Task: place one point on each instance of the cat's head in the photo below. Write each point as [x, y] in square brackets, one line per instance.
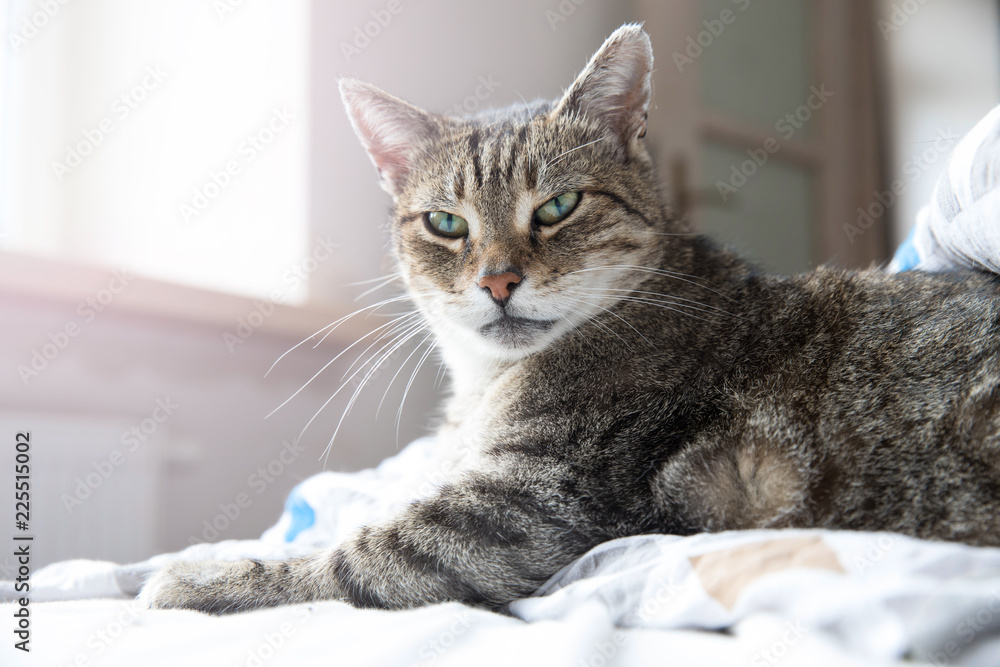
[515, 226]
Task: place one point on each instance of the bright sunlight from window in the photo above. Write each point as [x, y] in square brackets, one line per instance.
[134, 134]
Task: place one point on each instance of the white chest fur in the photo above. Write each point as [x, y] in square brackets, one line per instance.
[478, 385]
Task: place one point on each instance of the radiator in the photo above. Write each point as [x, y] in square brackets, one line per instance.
[94, 485]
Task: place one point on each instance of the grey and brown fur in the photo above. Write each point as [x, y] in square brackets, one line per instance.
[639, 378]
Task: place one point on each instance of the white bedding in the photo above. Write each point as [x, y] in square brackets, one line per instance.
[808, 597]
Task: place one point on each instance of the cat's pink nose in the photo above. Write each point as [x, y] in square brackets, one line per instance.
[500, 285]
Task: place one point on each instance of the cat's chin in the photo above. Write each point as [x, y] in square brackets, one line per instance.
[511, 338]
[516, 333]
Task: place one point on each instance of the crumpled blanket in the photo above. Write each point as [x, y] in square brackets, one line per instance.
[960, 227]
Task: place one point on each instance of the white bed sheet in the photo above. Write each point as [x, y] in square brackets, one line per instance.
[109, 632]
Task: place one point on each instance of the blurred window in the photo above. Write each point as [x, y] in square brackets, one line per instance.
[166, 138]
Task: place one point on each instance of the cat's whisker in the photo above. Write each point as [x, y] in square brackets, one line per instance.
[388, 281]
[635, 267]
[361, 385]
[302, 342]
[666, 302]
[673, 307]
[679, 300]
[404, 322]
[592, 320]
[441, 372]
[369, 281]
[577, 297]
[356, 392]
[327, 364]
[409, 383]
[330, 328]
[492, 362]
[387, 330]
[378, 410]
[672, 297]
[408, 312]
[528, 128]
[565, 153]
[666, 305]
[400, 335]
[518, 93]
[589, 343]
[374, 309]
[683, 277]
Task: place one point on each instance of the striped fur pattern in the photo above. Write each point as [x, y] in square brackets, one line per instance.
[639, 378]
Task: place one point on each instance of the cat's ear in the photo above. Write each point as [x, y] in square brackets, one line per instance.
[615, 87]
[391, 130]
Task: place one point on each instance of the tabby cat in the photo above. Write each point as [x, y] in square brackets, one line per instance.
[614, 374]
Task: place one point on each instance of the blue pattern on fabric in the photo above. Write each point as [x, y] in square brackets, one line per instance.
[906, 256]
[302, 514]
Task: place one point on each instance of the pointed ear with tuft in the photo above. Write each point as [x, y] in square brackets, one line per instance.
[615, 87]
[391, 130]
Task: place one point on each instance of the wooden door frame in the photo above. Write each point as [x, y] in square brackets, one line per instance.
[845, 154]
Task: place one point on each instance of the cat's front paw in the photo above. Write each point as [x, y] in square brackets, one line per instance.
[214, 587]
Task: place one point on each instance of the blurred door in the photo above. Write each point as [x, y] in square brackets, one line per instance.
[765, 118]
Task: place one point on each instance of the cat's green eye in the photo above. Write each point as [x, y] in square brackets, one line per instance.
[556, 209]
[447, 224]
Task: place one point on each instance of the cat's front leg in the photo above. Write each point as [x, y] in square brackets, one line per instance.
[220, 587]
[487, 540]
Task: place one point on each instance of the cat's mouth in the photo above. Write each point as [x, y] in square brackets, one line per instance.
[511, 331]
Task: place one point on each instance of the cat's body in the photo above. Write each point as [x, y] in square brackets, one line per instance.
[615, 375]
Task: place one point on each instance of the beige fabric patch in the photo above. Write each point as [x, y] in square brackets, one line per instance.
[724, 574]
